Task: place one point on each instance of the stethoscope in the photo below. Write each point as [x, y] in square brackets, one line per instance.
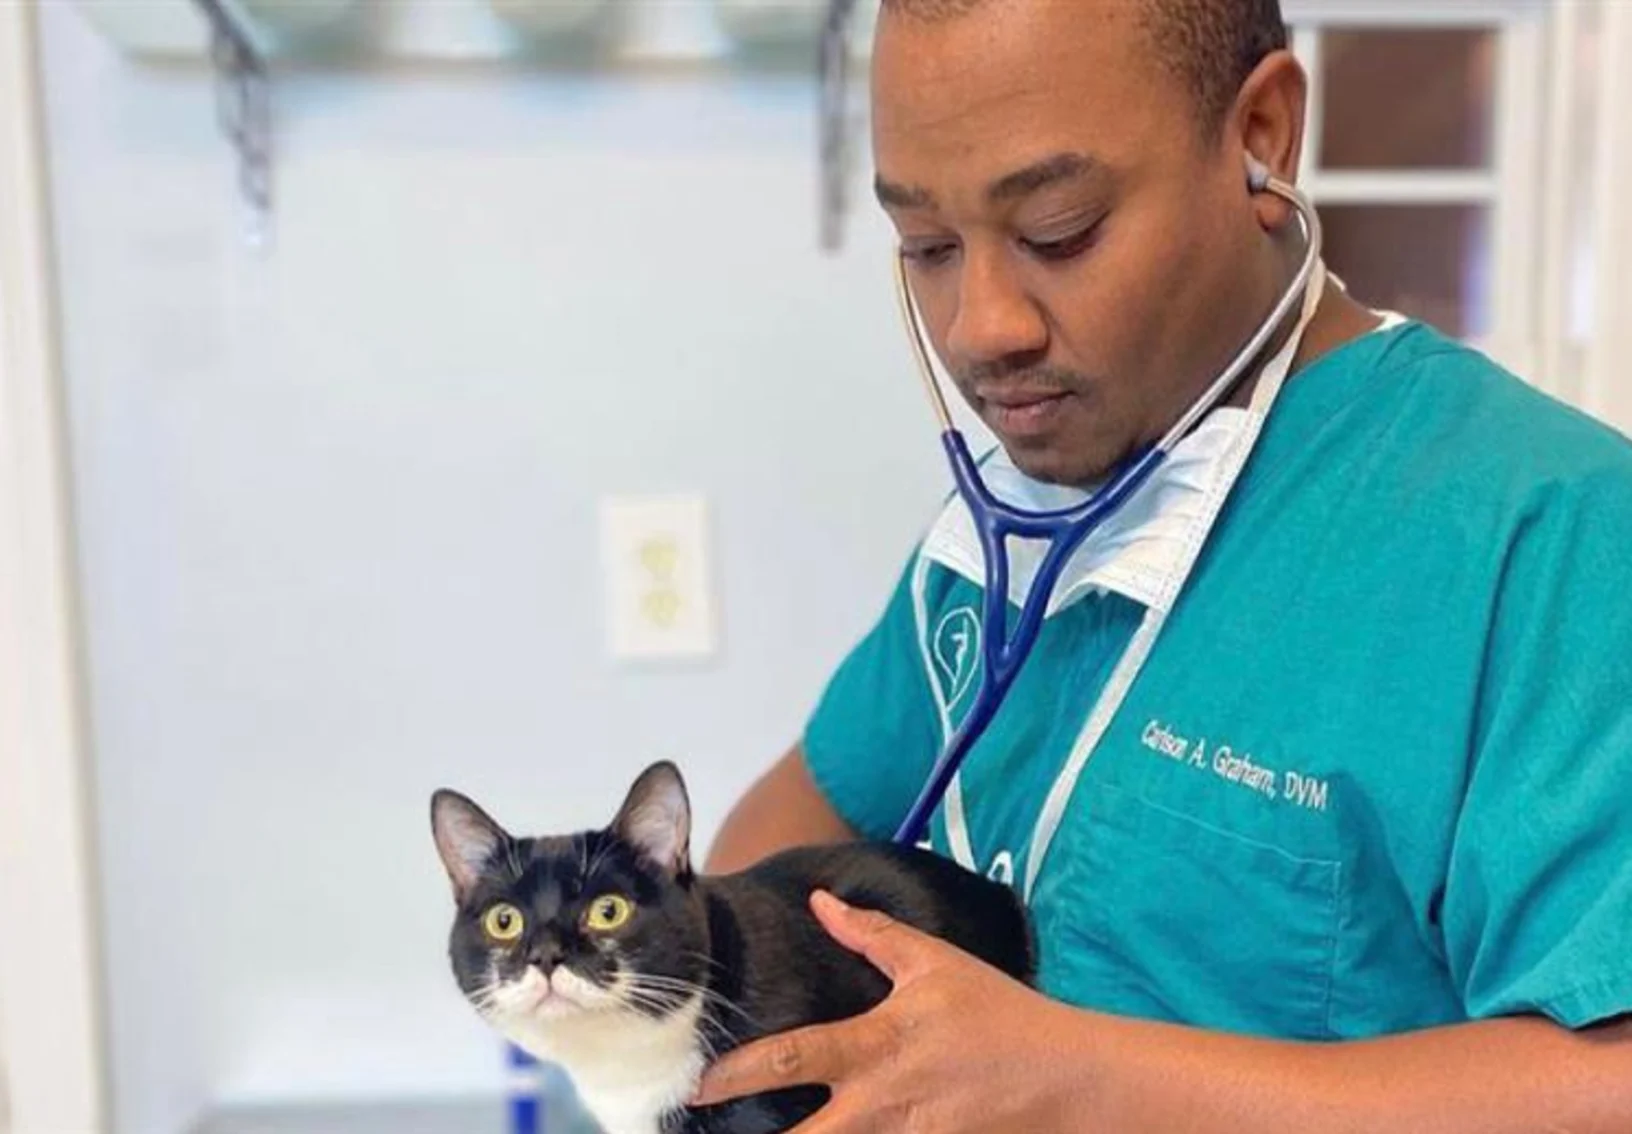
[1004, 653]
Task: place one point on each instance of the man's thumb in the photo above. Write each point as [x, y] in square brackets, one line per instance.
[895, 949]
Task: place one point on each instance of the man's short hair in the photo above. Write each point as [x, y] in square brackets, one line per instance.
[1211, 45]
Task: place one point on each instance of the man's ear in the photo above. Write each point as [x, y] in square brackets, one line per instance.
[1267, 123]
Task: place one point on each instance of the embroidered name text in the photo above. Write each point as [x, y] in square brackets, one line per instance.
[1237, 767]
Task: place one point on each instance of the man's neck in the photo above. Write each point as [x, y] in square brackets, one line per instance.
[1338, 319]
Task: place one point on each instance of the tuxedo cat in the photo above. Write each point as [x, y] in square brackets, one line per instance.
[604, 953]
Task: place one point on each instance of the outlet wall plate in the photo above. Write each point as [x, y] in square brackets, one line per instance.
[658, 572]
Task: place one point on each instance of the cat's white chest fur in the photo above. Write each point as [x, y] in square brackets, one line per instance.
[629, 1070]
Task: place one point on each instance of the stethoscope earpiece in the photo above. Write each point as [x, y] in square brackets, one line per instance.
[1258, 174]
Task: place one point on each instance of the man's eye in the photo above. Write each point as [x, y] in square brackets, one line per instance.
[928, 254]
[1065, 247]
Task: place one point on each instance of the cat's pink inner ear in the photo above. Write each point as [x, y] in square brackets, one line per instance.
[656, 833]
[466, 839]
[656, 820]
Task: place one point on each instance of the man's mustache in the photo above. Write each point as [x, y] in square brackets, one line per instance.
[1040, 380]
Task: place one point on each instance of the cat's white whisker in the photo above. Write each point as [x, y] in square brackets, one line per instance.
[600, 857]
[704, 958]
[655, 982]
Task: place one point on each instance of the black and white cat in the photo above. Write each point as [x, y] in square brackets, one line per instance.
[604, 953]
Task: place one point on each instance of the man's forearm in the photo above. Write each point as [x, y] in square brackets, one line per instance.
[1498, 1077]
[784, 808]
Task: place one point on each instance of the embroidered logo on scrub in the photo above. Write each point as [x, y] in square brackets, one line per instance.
[956, 650]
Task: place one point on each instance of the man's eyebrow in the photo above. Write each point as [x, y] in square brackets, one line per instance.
[1037, 175]
[892, 195]
[1009, 187]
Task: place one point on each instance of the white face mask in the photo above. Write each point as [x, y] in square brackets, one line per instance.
[1145, 549]
[1139, 546]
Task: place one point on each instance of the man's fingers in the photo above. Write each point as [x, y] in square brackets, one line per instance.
[842, 1116]
[896, 950]
[819, 1055]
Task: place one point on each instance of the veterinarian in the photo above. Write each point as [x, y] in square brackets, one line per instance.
[1354, 850]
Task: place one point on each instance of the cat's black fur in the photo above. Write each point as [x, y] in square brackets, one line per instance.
[749, 938]
[777, 962]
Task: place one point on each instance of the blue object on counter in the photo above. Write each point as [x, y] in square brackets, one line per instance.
[525, 1092]
[540, 1098]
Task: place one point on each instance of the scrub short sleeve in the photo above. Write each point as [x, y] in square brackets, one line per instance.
[876, 731]
[1537, 908]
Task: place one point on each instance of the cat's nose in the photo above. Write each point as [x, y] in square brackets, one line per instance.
[546, 955]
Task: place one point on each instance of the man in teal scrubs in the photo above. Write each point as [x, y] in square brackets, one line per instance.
[1351, 847]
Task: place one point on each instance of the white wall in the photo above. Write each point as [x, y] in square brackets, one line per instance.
[337, 514]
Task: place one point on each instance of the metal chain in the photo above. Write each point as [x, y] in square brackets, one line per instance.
[243, 99]
[835, 125]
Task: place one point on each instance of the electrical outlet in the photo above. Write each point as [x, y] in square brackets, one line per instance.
[654, 553]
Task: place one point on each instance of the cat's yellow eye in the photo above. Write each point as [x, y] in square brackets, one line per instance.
[503, 923]
[607, 913]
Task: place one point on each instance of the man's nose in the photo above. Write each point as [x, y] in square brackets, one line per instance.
[995, 319]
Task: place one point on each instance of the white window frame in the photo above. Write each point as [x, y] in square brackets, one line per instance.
[1510, 188]
[1598, 378]
[50, 1009]
[1545, 163]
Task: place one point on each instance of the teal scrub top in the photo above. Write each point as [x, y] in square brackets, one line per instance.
[1376, 774]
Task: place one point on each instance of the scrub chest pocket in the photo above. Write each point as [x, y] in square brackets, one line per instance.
[1138, 898]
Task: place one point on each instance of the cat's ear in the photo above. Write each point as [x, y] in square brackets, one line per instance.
[466, 838]
[656, 819]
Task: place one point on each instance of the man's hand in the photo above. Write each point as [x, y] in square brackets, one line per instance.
[957, 1046]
